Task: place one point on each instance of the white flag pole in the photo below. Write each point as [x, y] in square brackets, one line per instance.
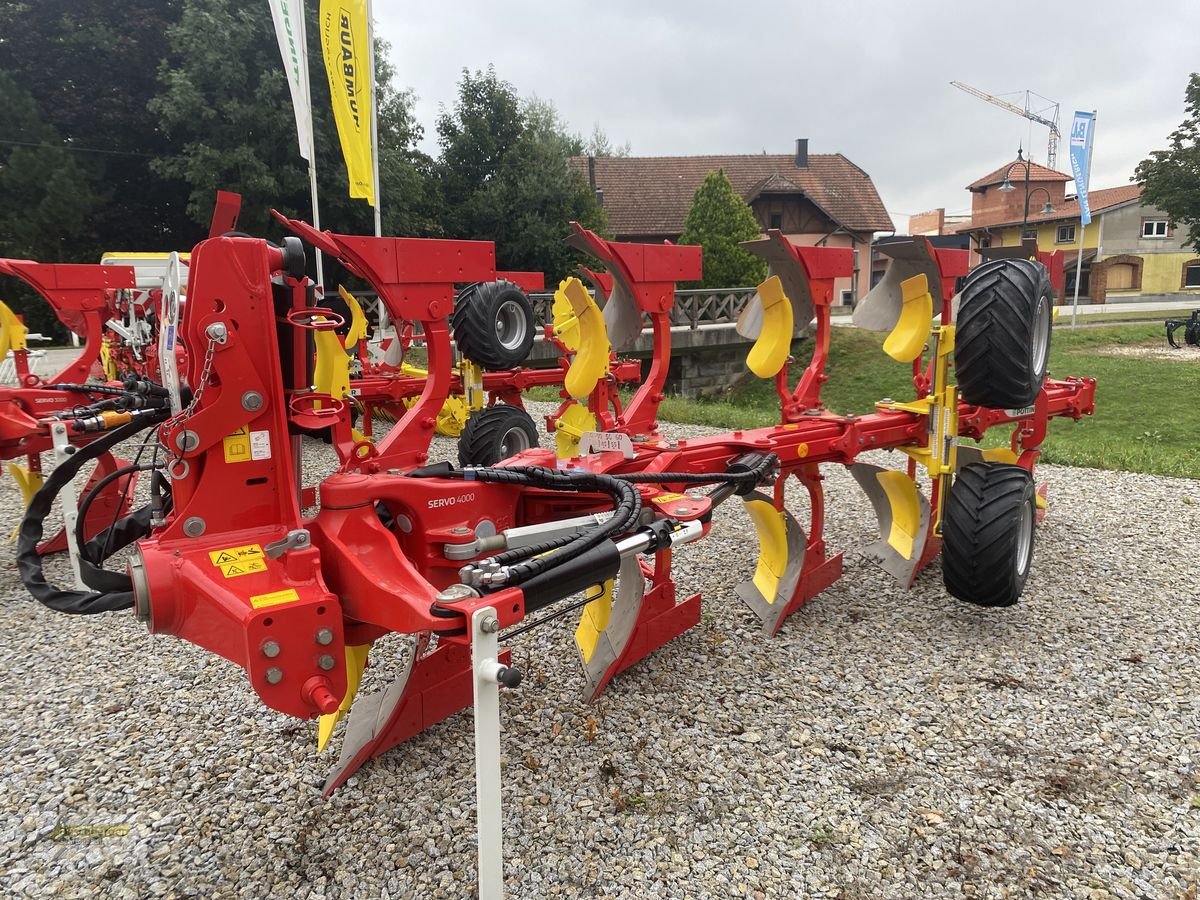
[312, 150]
[383, 313]
[1082, 227]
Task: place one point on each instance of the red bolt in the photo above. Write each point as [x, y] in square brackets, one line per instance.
[318, 691]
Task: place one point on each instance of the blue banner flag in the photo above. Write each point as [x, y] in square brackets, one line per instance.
[1081, 154]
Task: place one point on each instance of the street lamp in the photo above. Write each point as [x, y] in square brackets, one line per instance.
[1006, 187]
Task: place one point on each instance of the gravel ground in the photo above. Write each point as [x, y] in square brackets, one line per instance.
[885, 744]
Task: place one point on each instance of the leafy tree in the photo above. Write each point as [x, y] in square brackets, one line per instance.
[599, 145]
[225, 101]
[503, 175]
[529, 205]
[718, 220]
[1170, 179]
[48, 200]
[90, 69]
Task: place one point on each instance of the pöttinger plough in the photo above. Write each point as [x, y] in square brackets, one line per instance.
[452, 557]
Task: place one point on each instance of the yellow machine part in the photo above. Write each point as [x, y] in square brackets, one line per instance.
[771, 526]
[358, 320]
[904, 501]
[356, 662]
[590, 363]
[107, 364]
[452, 417]
[908, 338]
[570, 427]
[331, 374]
[774, 342]
[594, 620]
[12, 332]
[28, 483]
[566, 326]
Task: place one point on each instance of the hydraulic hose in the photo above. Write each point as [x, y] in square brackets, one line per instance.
[29, 561]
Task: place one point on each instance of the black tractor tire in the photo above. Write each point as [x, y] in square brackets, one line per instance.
[495, 433]
[1002, 340]
[987, 534]
[493, 324]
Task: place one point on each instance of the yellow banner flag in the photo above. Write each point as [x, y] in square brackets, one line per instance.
[345, 45]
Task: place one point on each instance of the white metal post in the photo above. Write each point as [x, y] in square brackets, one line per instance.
[383, 312]
[489, 821]
[68, 497]
[312, 148]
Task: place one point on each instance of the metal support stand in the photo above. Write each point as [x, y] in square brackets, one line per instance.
[68, 497]
[488, 671]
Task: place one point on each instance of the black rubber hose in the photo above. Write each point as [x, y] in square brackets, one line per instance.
[86, 503]
[29, 561]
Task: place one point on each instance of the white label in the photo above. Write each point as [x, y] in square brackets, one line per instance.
[601, 441]
[1018, 413]
[260, 445]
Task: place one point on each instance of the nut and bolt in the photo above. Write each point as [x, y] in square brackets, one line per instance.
[324, 636]
[194, 526]
[460, 529]
[187, 440]
[270, 649]
[490, 625]
[681, 510]
[217, 332]
[274, 675]
[326, 662]
[252, 401]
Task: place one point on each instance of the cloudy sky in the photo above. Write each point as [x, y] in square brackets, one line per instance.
[866, 79]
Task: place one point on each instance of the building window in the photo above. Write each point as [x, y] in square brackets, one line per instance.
[1191, 274]
[848, 298]
[985, 241]
[1066, 234]
[776, 220]
[1029, 233]
[1155, 228]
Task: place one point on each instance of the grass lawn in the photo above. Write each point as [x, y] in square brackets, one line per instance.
[1146, 420]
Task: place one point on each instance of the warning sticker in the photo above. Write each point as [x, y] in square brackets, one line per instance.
[235, 554]
[258, 601]
[244, 567]
[237, 446]
[260, 445]
[665, 498]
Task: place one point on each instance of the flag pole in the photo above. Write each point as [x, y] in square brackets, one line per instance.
[1082, 227]
[312, 150]
[383, 313]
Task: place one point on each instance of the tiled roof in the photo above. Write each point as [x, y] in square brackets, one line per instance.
[648, 195]
[1015, 171]
[1098, 201]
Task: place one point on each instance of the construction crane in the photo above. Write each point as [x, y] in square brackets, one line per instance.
[1051, 123]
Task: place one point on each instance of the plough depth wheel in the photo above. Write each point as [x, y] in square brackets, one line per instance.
[1002, 347]
[493, 324]
[987, 534]
[495, 433]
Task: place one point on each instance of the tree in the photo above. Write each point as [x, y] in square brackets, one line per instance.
[529, 205]
[1170, 179]
[599, 144]
[89, 69]
[718, 220]
[503, 175]
[224, 100]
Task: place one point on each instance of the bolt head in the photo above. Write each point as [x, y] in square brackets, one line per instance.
[324, 636]
[326, 662]
[194, 526]
[490, 625]
[274, 675]
[270, 649]
[252, 401]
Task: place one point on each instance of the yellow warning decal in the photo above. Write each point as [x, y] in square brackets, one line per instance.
[666, 498]
[258, 601]
[235, 554]
[244, 567]
[237, 446]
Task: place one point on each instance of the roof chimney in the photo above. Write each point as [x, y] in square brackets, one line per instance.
[801, 153]
[592, 172]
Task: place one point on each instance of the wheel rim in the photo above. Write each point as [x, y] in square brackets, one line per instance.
[514, 441]
[1041, 336]
[1025, 538]
[510, 325]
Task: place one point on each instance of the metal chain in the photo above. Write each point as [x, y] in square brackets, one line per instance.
[186, 413]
